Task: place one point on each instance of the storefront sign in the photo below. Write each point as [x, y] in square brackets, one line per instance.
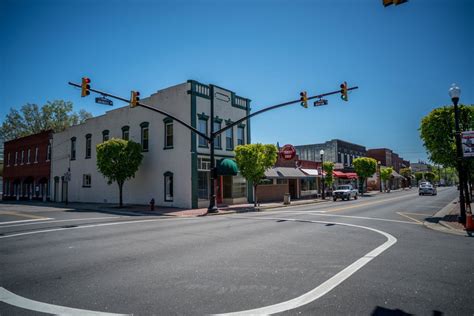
[288, 152]
[467, 139]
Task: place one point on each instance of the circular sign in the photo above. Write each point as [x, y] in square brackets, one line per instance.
[288, 152]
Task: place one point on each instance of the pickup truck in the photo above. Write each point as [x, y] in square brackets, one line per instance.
[344, 192]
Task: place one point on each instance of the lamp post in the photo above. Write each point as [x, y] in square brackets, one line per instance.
[454, 93]
[321, 152]
[380, 175]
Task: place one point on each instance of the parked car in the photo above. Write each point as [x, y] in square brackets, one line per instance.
[344, 192]
[427, 189]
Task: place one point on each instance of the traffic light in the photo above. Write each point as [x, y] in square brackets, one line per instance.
[304, 99]
[134, 99]
[344, 91]
[85, 87]
[395, 2]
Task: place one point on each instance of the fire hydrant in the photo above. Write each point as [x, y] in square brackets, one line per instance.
[152, 205]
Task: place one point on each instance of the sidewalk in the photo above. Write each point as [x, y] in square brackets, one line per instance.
[144, 210]
[446, 220]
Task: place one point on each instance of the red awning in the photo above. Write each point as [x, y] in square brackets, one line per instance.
[344, 175]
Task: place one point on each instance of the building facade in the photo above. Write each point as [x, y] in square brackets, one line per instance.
[175, 170]
[340, 152]
[27, 167]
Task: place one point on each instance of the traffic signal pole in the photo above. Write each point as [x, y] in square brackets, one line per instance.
[212, 196]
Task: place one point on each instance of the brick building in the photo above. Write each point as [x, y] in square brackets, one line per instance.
[27, 167]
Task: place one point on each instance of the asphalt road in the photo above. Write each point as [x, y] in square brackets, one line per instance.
[372, 256]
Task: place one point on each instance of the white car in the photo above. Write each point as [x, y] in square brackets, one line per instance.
[344, 192]
[427, 189]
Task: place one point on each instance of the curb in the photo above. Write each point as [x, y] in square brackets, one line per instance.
[441, 225]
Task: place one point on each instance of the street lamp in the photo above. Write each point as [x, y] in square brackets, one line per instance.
[454, 93]
[321, 152]
[380, 175]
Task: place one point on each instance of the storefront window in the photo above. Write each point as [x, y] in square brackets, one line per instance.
[239, 186]
[203, 185]
[308, 184]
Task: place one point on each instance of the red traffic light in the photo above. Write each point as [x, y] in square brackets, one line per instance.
[86, 80]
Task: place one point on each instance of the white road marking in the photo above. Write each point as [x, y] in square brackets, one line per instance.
[328, 285]
[24, 221]
[62, 220]
[93, 225]
[16, 300]
[363, 217]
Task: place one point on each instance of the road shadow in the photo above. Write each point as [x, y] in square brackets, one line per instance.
[382, 311]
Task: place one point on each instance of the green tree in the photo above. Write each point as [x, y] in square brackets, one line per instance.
[364, 167]
[253, 160]
[32, 119]
[430, 176]
[419, 175]
[437, 132]
[118, 160]
[406, 172]
[328, 167]
[386, 175]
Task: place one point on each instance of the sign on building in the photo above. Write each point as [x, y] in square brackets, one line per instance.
[467, 140]
[288, 152]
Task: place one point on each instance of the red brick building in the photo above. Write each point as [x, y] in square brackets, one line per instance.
[27, 167]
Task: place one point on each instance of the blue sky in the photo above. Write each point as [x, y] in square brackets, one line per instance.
[403, 58]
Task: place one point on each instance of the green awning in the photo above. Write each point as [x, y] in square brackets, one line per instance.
[227, 167]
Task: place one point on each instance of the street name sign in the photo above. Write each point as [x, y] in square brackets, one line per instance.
[104, 100]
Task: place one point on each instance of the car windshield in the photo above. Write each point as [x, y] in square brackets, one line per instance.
[344, 187]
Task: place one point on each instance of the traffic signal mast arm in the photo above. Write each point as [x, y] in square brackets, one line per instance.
[214, 134]
[319, 96]
[146, 106]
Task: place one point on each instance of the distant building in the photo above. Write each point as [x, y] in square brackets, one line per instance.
[420, 167]
[27, 167]
[387, 158]
[340, 152]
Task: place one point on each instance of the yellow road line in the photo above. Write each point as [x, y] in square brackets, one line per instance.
[409, 217]
[417, 214]
[365, 204]
[21, 214]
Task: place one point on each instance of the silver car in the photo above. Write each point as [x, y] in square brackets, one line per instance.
[427, 188]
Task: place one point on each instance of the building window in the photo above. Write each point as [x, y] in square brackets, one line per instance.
[125, 133]
[240, 135]
[86, 180]
[168, 186]
[8, 160]
[36, 154]
[203, 185]
[202, 127]
[105, 135]
[28, 156]
[218, 139]
[22, 161]
[144, 135]
[88, 145]
[16, 158]
[168, 133]
[73, 148]
[229, 139]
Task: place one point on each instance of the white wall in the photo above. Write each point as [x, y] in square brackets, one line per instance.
[149, 180]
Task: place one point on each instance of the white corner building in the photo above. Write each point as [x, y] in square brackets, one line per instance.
[175, 167]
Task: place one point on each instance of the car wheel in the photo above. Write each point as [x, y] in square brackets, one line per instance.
[355, 197]
[334, 199]
[419, 194]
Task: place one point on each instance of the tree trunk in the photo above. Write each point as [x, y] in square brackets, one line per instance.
[255, 195]
[120, 184]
